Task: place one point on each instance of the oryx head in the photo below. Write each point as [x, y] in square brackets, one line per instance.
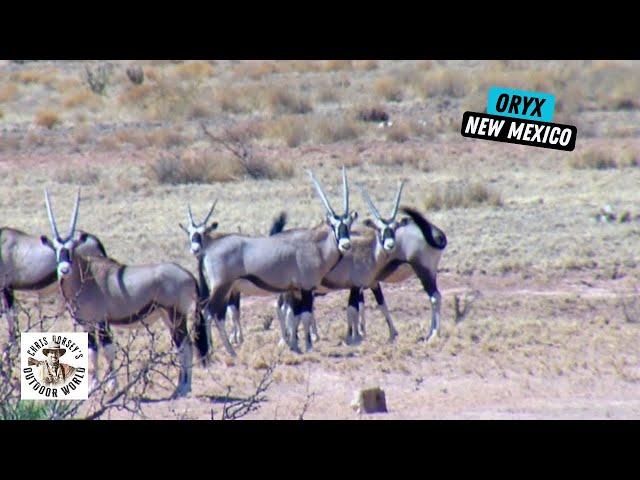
[385, 228]
[340, 224]
[196, 231]
[63, 246]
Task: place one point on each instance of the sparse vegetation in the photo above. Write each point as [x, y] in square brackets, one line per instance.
[97, 77]
[77, 175]
[47, 119]
[389, 89]
[462, 194]
[593, 159]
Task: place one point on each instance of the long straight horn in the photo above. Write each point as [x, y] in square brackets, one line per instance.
[210, 212]
[321, 193]
[193, 223]
[345, 189]
[372, 207]
[394, 212]
[74, 216]
[52, 219]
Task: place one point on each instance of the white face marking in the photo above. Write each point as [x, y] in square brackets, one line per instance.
[389, 244]
[64, 269]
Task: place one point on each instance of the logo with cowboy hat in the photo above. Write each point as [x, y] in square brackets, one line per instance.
[46, 375]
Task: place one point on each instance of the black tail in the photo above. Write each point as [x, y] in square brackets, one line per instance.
[278, 224]
[202, 337]
[432, 234]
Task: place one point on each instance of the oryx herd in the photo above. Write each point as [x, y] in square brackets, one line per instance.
[296, 264]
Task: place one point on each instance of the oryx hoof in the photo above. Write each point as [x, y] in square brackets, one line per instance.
[282, 343]
[432, 337]
[393, 336]
[181, 392]
[315, 337]
[295, 348]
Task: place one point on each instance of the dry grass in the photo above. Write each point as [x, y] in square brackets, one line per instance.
[337, 65]
[281, 99]
[82, 99]
[593, 158]
[81, 135]
[47, 118]
[331, 130]
[443, 82]
[8, 92]
[135, 137]
[371, 113]
[77, 175]
[194, 70]
[166, 138]
[212, 166]
[292, 129]
[462, 194]
[327, 94]
[389, 89]
[399, 132]
[366, 65]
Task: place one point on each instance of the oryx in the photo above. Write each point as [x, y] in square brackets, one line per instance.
[26, 264]
[201, 237]
[397, 251]
[99, 289]
[359, 268]
[295, 260]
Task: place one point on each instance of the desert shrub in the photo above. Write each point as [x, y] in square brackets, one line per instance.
[292, 129]
[337, 65]
[8, 92]
[135, 73]
[399, 132]
[194, 70]
[372, 114]
[97, 78]
[462, 194]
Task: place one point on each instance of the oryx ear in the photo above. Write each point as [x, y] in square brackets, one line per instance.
[354, 216]
[211, 227]
[405, 221]
[46, 242]
[182, 227]
[369, 223]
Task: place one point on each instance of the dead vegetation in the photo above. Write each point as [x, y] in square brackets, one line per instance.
[462, 194]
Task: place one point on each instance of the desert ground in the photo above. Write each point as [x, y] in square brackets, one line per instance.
[539, 280]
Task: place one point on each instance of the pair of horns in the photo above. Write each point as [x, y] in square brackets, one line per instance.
[323, 196]
[52, 219]
[193, 223]
[374, 210]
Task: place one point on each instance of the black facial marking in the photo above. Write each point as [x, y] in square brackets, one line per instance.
[65, 256]
[196, 238]
[343, 231]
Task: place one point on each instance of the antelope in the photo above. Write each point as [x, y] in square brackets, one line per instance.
[27, 265]
[99, 289]
[396, 251]
[358, 270]
[201, 237]
[295, 260]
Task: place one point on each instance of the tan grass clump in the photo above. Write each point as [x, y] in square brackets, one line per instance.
[8, 92]
[292, 129]
[77, 175]
[194, 70]
[593, 158]
[389, 89]
[47, 118]
[337, 65]
[282, 99]
[331, 130]
[462, 194]
[399, 132]
[82, 98]
[443, 82]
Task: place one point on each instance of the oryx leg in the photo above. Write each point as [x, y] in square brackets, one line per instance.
[382, 305]
[283, 310]
[295, 311]
[177, 322]
[234, 308]
[428, 281]
[307, 317]
[362, 324]
[216, 308]
[93, 358]
[105, 336]
[9, 311]
[353, 331]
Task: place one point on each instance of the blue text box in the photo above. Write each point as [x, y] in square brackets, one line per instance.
[509, 102]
